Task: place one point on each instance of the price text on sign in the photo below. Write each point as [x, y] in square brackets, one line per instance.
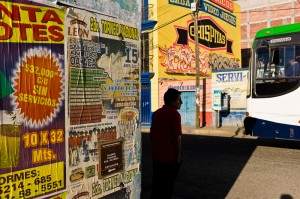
[39, 86]
[33, 182]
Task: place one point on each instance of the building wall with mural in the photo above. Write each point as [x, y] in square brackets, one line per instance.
[219, 43]
[188, 95]
[69, 99]
[219, 39]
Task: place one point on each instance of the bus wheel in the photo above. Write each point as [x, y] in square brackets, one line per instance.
[248, 124]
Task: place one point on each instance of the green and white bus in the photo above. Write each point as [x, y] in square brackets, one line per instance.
[273, 101]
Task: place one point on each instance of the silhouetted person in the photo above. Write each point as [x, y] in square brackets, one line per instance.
[165, 133]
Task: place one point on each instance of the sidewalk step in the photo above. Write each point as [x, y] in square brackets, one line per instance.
[222, 131]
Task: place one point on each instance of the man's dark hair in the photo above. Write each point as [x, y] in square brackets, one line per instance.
[171, 95]
[290, 58]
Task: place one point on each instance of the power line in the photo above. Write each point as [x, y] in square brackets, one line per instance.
[149, 9]
[160, 8]
[169, 22]
[248, 11]
[166, 6]
[166, 12]
[176, 19]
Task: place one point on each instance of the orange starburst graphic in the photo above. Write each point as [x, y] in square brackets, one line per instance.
[38, 86]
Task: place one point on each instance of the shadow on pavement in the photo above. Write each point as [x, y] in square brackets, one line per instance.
[210, 164]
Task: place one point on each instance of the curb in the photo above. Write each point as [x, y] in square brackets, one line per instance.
[211, 131]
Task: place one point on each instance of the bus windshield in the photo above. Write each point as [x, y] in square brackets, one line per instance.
[277, 70]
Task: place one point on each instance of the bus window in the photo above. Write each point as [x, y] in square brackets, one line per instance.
[262, 55]
[248, 91]
[279, 75]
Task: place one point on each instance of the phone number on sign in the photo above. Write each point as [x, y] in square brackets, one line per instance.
[42, 184]
[31, 183]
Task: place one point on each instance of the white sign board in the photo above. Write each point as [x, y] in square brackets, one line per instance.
[217, 99]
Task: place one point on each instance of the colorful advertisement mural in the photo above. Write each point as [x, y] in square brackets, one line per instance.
[32, 96]
[218, 38]
[234, 83]
[103, 86]
[69, 101]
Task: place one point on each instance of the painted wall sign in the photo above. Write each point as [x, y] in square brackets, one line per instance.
[227, 4]
[217, 12]
[234, 83]
[210, 34]
[235, 76]
[219, 47]
[181, 3]
[184, 88]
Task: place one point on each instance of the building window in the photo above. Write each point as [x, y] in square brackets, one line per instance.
[246, 56]
[145, 52]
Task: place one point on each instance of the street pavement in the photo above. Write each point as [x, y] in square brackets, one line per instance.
[226, 132]
[225, 163]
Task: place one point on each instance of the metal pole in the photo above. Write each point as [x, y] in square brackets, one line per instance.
[196, 36]
[217, 119]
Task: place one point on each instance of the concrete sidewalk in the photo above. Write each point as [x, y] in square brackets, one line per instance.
[211, 131]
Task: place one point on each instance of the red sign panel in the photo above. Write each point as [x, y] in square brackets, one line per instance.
[227, 4]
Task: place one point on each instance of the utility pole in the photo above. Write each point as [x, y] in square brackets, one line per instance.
[197, 123]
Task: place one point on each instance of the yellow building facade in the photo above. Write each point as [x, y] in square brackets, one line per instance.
[172, 45]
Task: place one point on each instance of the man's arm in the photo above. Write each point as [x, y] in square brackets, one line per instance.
[178, 131]
[297, 69]
[178, 149]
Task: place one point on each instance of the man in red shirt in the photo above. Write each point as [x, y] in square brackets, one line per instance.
[165, 133]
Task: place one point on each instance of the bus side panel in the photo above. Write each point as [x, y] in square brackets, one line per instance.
[263, 128]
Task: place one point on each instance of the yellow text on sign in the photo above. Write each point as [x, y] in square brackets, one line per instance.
[32, 182]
